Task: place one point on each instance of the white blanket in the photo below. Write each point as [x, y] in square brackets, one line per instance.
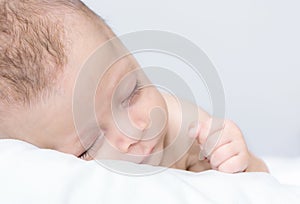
[34, 176]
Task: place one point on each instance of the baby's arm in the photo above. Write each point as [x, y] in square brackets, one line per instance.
[256, 165]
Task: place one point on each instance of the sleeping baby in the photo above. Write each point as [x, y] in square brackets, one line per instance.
[65, 87]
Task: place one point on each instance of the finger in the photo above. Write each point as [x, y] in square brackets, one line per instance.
[213, 142]
[209, 136]
[218, 139]
[203, 132]
[217, 124]
[194, 129]
[233, 165]
[210, 127]
[223, 153]
[199, 130]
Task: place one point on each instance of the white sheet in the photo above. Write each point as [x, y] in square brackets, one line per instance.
[30, 175]
[286, 170]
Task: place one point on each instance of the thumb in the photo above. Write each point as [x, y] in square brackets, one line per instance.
[202, 138]
[194, 130]
[204, 132]
[199, 131]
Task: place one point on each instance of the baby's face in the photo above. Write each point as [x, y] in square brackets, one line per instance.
[130, 113]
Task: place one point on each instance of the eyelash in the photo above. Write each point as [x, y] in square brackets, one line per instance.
[85, 154]
[133, 93]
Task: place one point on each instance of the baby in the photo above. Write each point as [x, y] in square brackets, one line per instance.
[44, 47]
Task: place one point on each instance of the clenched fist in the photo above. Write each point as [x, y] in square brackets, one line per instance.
[222, 143]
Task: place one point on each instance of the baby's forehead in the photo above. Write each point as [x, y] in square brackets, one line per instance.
[119, 73]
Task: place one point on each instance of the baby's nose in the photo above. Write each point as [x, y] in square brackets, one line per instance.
[141, 125]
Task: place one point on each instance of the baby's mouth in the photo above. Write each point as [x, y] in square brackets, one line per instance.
[138, 158]
[147, 157]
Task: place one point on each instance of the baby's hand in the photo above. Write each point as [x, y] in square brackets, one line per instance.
[224, 146]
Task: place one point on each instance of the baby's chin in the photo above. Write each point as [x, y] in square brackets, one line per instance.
[138, 159]
[142, 159]
[154, 158]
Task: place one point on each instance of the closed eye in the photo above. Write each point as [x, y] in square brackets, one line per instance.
[86, 154]
[133, 93]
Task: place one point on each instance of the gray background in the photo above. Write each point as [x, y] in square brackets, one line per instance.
[255, 46]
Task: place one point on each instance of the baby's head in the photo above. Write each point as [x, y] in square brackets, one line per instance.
[44, 46]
